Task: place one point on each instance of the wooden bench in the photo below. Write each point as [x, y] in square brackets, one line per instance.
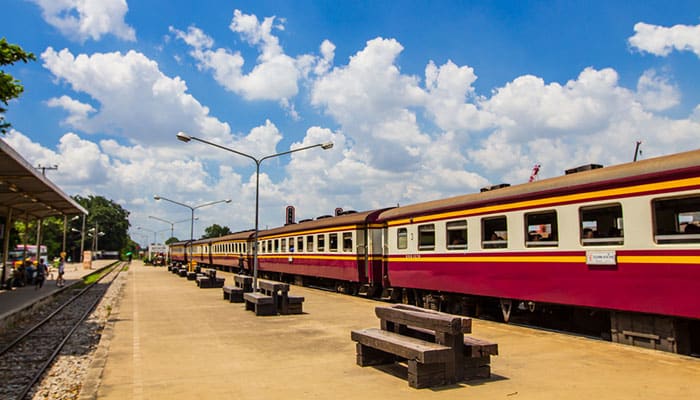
[241, 284]
[259, 302]
[209, 280]
[432, 343]
[294, 305]
[477, 352]
[285, 303]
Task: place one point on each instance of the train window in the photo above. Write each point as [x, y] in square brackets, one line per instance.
[310, 243]
[494, 233]
[677, 220]
[426, 237]
[541, 229]
[320, 242]
[333, 242]
[347, 241]
[276, 246]
[457, 235]
[601, 225]
[300, 243]
[402, 238]
[283, 245]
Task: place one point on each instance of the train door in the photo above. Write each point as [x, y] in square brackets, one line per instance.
[374, 257]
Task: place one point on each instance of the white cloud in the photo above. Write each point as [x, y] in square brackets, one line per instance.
[78, 112]
[656, 93]
[87, 19]
[399, 138]
[118, 82]
[660, 40]
[273, 78]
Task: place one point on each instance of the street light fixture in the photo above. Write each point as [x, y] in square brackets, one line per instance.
[172, 224]
[192, 208]
[182, 136]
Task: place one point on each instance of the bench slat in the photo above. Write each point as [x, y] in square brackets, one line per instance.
[258, 298]
[403, 346]
[466, 321]
[437, 322]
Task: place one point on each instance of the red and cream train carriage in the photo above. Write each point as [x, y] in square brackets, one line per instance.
[345, 249]
[621, 239]
[233, 251]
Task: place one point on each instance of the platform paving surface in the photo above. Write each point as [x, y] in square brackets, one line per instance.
[172, 340]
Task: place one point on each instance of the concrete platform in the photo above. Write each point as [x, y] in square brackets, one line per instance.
[17, 299]
[172, 340]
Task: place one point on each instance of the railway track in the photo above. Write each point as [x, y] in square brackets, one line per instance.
[27, 357]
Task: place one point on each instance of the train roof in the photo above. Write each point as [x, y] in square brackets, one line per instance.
[355, 218]
[243, 235]
[650, 170]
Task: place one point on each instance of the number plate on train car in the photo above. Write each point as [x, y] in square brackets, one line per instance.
[599, 257]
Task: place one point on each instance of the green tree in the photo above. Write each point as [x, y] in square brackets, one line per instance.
[172, 240]
[109, 218]
[10, 87]
[216, 230]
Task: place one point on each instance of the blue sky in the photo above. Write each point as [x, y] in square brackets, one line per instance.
[423, 99]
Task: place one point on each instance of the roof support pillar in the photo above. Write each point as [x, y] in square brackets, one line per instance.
[6, 245]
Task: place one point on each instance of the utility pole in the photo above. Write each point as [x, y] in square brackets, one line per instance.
[44, 168]
[637, 151]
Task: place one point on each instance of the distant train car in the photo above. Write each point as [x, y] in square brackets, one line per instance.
[178, 252]
[624, 240]
[232, 252]
[344, 251]
[201, 252]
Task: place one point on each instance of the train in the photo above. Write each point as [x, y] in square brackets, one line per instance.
[612, 252]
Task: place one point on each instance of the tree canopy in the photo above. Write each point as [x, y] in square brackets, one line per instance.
[216, 230]
[109, 218]
[10, 87]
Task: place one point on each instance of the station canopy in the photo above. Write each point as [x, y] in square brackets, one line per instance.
[27, 192]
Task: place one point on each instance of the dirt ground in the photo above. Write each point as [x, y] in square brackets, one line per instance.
[170, 339]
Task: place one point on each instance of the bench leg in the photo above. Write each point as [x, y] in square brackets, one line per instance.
[369, 356]
[477, 367]
[265, 309]
[425, 375]
[249, 306]
[236, 297]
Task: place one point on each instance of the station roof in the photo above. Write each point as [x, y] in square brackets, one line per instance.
[28, 192]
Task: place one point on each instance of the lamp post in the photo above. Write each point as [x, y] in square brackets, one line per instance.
[182, 136]
[172, 224]
[192, 208]
[149, 230]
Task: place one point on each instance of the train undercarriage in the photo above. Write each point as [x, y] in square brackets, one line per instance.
[671, 334]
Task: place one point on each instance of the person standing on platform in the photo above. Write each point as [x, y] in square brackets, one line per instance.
[40, 274]
[60, 282]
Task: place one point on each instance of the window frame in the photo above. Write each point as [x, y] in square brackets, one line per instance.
[491, 243]
[602, 240]
[422, 230]
[456, 226]
[553, 239]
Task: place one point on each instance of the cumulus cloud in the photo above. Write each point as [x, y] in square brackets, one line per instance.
[119, 81]
[660, 40]
[275, 75]
[399, 138]
[78, 112]
[656, 93]
[87, 19]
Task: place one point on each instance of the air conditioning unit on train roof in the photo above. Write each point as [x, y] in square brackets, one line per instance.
[305, 220]
[324, 216]
[494, 187]
[582, 168]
